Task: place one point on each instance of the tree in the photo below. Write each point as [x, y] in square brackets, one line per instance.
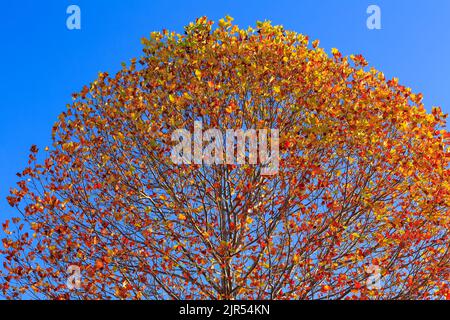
[362, 193]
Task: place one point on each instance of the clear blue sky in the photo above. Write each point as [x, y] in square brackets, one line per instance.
[42, 62]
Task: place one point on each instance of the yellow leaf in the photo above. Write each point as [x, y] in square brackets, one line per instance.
[354, 236]
[198, 74]
[120, 136]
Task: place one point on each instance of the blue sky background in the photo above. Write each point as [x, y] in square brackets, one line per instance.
[42, 62]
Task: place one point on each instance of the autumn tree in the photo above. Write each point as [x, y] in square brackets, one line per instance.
[363, 181]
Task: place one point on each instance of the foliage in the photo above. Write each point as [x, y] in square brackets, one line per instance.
[363, 180]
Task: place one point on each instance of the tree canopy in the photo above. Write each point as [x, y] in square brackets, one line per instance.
[363, 180]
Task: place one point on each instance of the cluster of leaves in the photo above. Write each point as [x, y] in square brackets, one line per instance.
[363, 180]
